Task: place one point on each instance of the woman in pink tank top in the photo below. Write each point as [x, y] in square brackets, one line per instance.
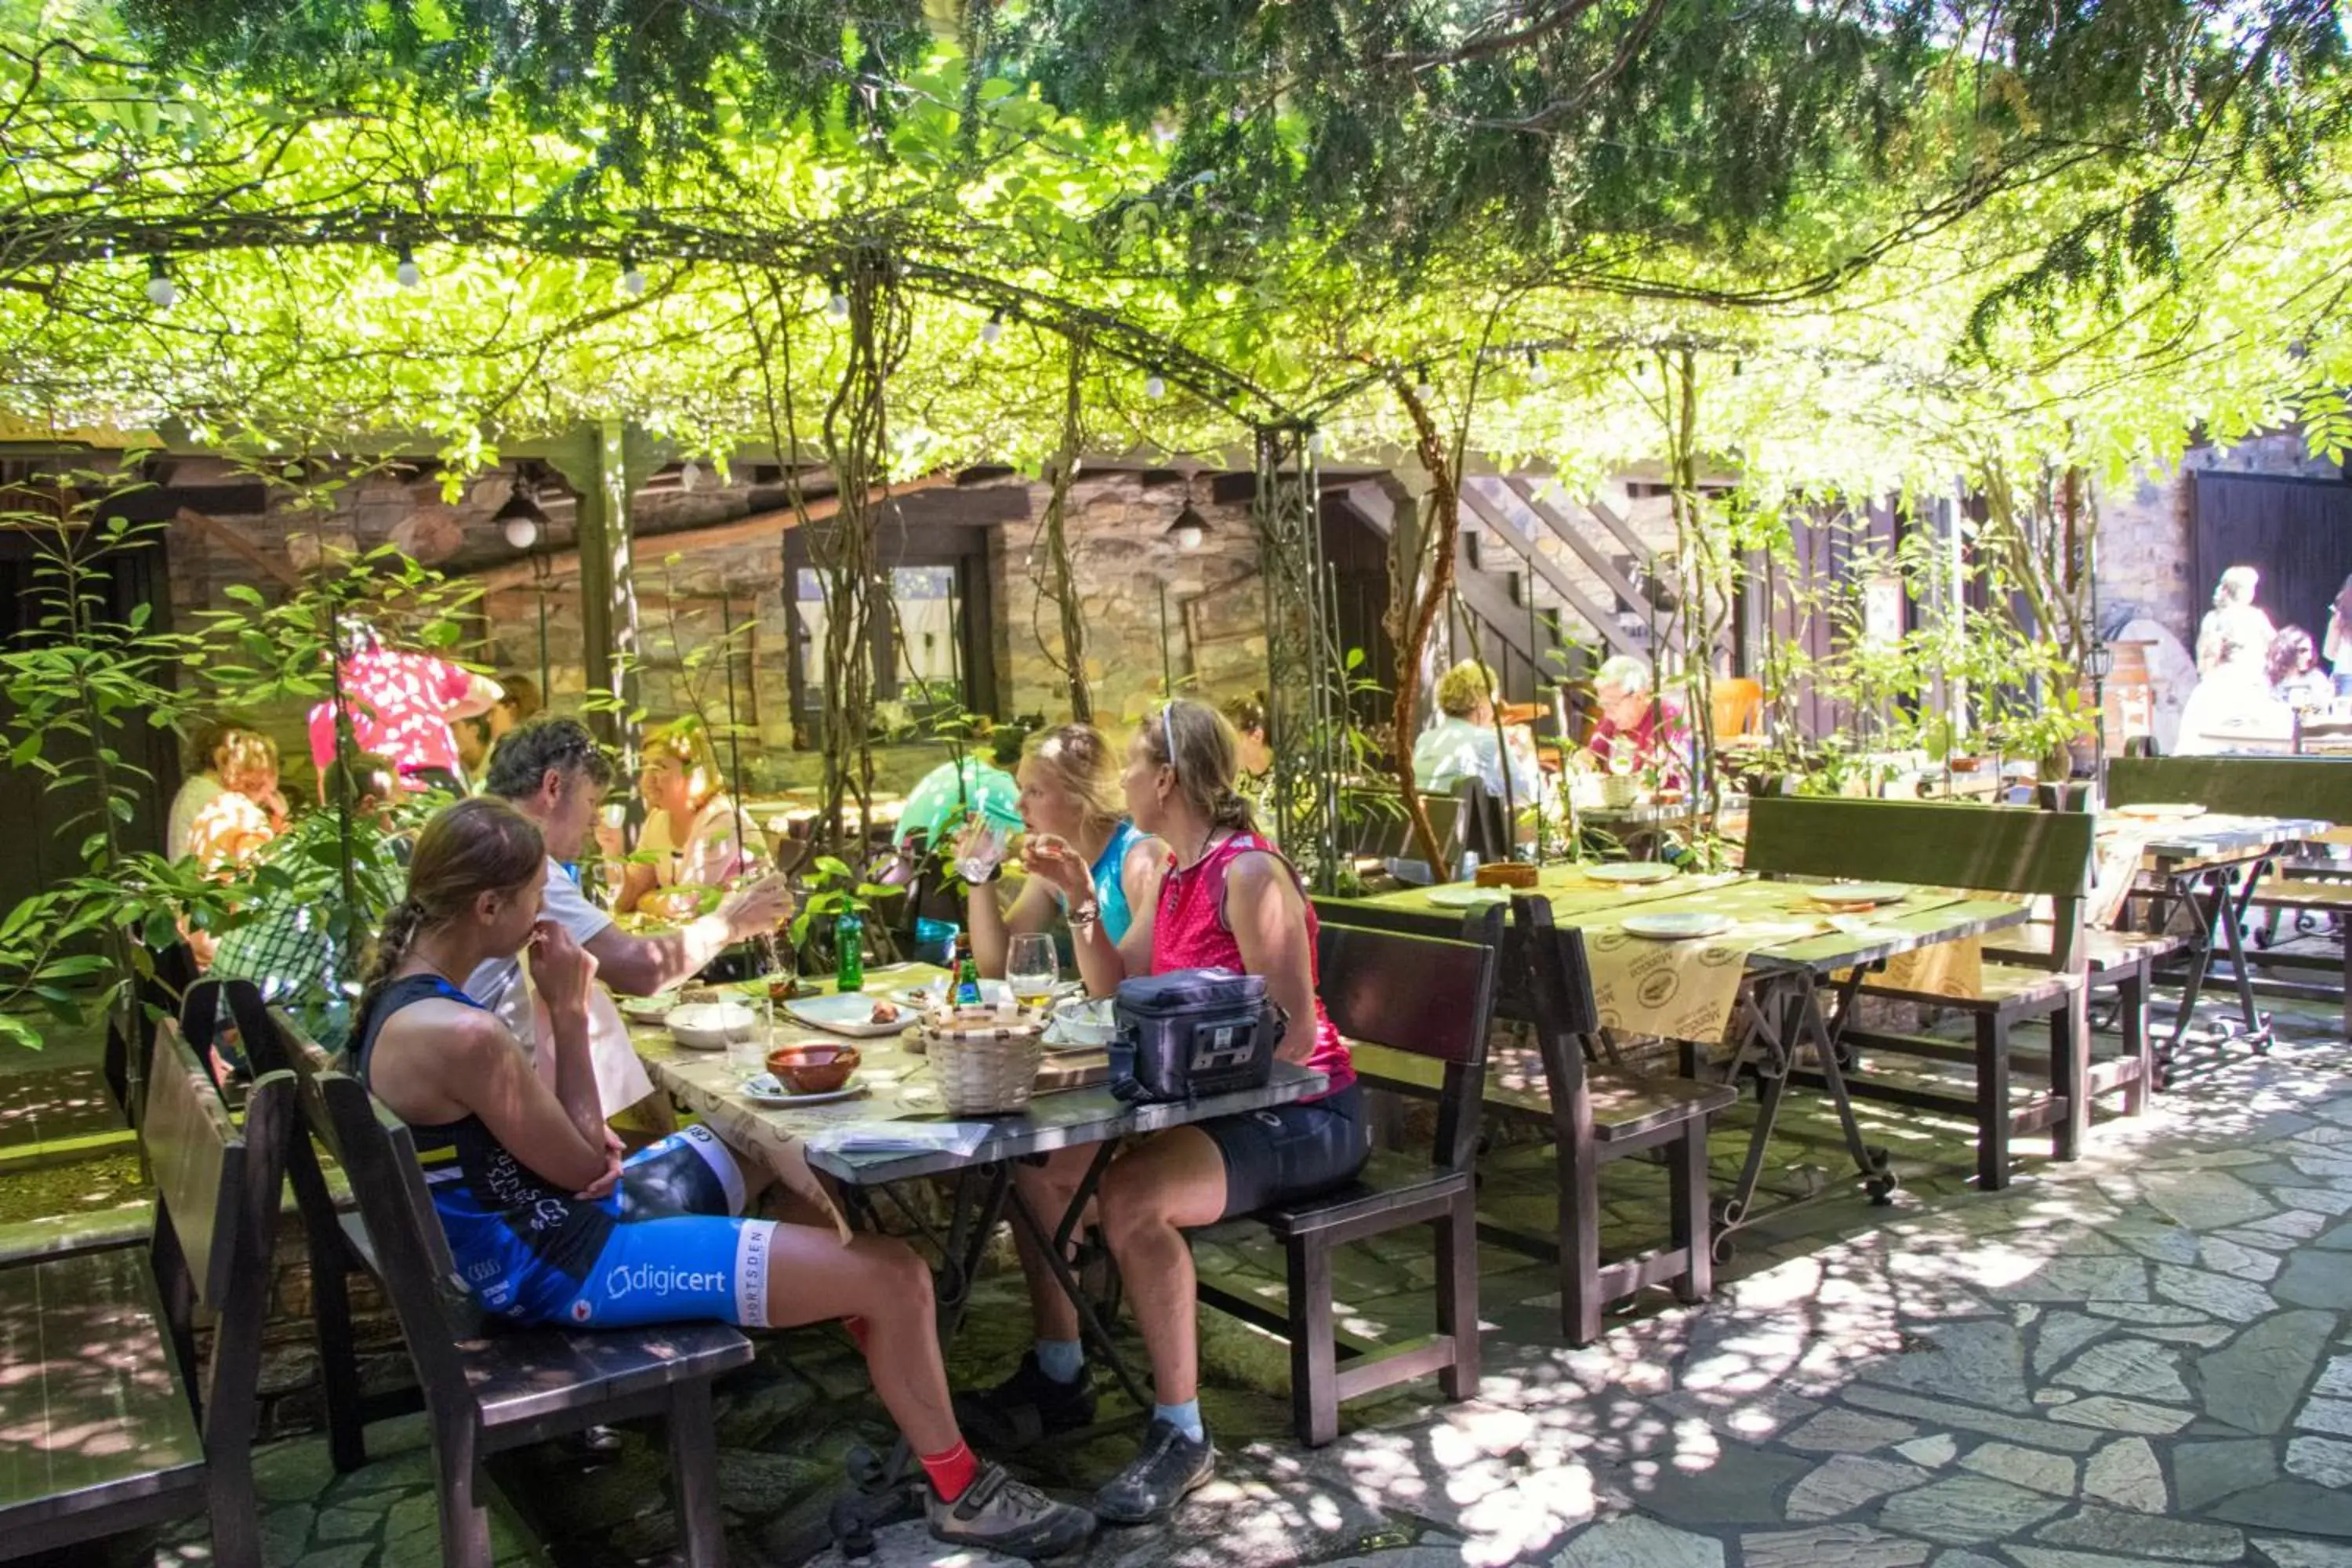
[1228, 901]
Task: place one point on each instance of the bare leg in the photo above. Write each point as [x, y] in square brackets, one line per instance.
[812, 1277]
[1048, 1189]
[1167, 1184]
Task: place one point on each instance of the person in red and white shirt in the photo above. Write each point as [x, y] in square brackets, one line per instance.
[401, 704]
[1638, 729]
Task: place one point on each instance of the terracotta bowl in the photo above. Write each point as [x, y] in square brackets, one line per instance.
[812, 1068]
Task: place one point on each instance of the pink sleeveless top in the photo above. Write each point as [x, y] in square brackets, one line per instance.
[1190, 932]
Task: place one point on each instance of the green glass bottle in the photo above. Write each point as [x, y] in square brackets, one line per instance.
[849, 945]
[967, 973]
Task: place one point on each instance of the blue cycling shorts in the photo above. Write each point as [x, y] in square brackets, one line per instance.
[681, 1252]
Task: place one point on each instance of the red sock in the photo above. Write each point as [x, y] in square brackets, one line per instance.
[857, 1329]
[951, 1472]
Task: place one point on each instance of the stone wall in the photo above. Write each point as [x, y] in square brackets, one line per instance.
[1130, 575]
[2147, 548]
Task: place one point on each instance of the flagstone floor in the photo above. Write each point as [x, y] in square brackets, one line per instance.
[2142, 1358]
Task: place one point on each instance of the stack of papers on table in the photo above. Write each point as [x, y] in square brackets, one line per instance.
[957, 1138]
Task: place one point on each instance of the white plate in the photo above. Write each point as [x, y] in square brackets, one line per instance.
[849, 1013]
[1861, 892]
[936, 994]
[1083, 1023]
[647, 1009]
[762, 1088]
[1628, 871]
[1468, 897]
[1680, 926]
[2159, 811]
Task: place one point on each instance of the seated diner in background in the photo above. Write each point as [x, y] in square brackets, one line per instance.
[1246, 714]
[945, 798]
[1638, 729]
[2233, 706]
[2292, 665]
[1081, 849]
[206, 756]
[693, 835]
[553, 771]
[247, 812]
[550, 1224]
[1463, 744]
[1228, 901]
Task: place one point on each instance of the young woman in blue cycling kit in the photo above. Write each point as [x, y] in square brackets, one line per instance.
[550, 1224]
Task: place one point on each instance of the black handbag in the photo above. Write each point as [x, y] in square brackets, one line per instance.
[1192, 1032]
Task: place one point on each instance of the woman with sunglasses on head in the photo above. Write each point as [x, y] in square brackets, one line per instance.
[1082, 849]
[1228, 901]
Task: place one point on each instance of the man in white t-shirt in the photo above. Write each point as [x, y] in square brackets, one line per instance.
[553, 771]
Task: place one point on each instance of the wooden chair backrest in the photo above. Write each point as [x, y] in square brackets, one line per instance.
[1558, 978]
[1422, 996]
[1999, 848]
[2318, 787]
[378, 1153]
[1483, 831]
[198, 1158]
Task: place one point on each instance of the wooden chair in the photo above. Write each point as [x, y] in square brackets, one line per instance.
[1432, 1001]
[488, 1389]
[130, 1031]
[111, 1426]
[1483, 829]
[1997, 850]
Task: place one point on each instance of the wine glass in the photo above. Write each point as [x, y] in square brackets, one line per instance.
[1033, 969]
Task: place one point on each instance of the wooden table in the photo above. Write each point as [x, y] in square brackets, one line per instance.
[1073, 1108]
[1777, 1010]
[2212, 865]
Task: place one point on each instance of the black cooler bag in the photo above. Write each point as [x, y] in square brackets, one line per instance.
[1192, 1032]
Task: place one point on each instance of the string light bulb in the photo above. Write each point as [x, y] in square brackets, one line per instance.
[1421, 388]
[162, 292]
[406, 271]
[689, 474]
[1155, 386]
[836, 303]
[632, 278]
[994, 328]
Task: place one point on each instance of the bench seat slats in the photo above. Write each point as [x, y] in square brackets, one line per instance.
[92, 1414]
[1388, 1184]
[527, 1375]
[2102, 949]
[2002, 985]
[1624, 1104]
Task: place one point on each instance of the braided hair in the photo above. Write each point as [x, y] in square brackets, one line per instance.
[1199, 743]
[476, 847]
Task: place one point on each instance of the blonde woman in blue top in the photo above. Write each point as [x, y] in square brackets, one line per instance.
[1075, 813]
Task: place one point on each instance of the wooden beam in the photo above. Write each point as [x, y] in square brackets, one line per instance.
[237, 544]
[1499, 524]
[654, 546]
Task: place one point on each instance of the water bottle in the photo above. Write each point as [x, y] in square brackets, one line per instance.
[849, 947]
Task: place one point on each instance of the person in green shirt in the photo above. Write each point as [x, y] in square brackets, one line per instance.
[941, 800]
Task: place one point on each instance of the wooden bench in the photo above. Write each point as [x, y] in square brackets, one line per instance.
[109, 1425]
[1432, 1001]
[2044, 854]
[488, 1388]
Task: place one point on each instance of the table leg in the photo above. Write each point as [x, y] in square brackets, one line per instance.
[2232, 913]
[1052, 1244]
[1875, 1163]
[2202, 913]
[1760, 1047]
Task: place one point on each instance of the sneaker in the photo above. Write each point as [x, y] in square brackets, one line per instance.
[1169, 1466]
[1023, 1409]
[997, 1513]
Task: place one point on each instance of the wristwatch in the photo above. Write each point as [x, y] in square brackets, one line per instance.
[1084, 915]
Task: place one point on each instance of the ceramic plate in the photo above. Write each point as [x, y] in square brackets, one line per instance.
[1861, 892]
[1628, 871]
[647, 1009]
[1678, 927]
[2159, 811]
[851, 1014]
[763, 1090]
[1468, 897]
[935, 994]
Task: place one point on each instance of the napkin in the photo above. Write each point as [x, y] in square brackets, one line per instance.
[959, 1138]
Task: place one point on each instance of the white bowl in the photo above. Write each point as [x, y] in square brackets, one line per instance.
[710, 1025]
[1087, 1020]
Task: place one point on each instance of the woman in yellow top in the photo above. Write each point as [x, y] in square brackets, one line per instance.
[692, 832]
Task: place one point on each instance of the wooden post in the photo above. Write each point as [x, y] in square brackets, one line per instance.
[599, 471]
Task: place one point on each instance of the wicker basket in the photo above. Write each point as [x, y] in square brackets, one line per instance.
[1619, 791]
[985, 1060]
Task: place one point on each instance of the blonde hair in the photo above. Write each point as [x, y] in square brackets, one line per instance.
[688, 743]
[1463, 687]
[1199, 743]
[479, 846]
[1079, 758]
[243, 753]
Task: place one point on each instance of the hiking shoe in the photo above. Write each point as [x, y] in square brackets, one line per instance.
[1169, 1466]
[1023, 1409]
[997, 1513]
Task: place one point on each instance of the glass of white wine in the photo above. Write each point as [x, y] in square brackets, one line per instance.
[1033, 969]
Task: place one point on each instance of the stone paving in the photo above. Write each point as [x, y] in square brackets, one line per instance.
[2143, 1358]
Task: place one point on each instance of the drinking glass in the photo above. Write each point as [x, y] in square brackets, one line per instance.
[1033, 969]
[747, 1060]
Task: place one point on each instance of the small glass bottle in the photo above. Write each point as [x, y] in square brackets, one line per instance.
[849, 947]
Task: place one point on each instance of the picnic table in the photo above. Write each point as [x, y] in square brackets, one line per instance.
[1758, 985]
[2210, 865]
[898, 1131]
